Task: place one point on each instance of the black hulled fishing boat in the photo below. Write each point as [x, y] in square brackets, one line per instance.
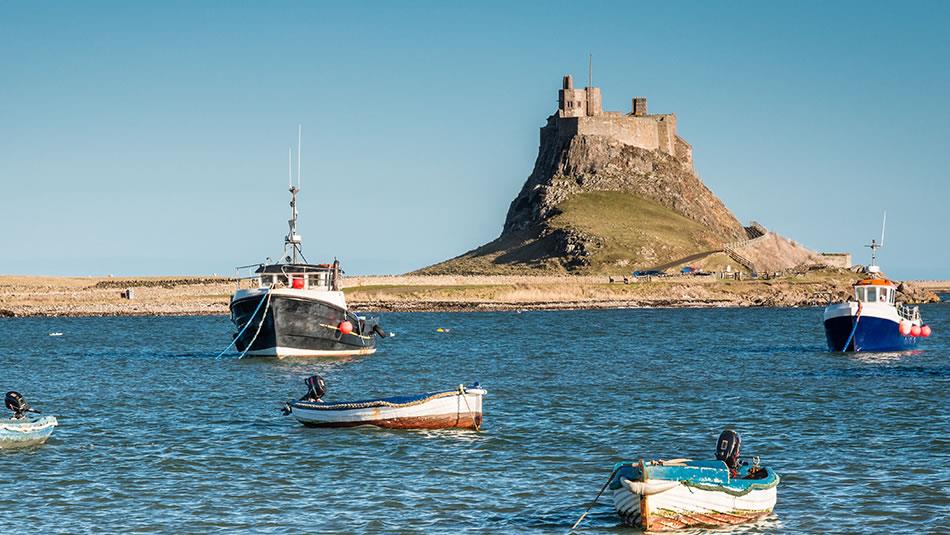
[294, 308]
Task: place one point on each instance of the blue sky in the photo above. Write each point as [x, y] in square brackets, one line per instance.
[151, 138]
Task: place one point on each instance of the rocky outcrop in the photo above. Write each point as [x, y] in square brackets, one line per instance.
[583, 163]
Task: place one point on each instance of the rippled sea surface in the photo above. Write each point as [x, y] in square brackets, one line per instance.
[157, 436]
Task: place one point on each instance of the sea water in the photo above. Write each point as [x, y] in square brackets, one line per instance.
[156, 435]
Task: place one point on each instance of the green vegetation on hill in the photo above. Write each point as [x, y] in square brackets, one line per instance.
[597, 232]
[633, 232]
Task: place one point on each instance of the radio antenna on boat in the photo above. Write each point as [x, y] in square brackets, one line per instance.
[299, 135]
[293, 239]
[883, 226]
[874, 246]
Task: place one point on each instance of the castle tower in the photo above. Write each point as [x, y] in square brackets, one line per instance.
[639, 106]
[578, 102]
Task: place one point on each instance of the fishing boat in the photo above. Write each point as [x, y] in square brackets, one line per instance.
[459, 408]
[293, 308]
[681, 493]
[873, 320]
[24, 430]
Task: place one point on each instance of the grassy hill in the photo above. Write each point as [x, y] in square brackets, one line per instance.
[592, 232]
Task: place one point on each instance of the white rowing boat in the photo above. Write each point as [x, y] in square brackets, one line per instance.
[458, 408]
[25, 432]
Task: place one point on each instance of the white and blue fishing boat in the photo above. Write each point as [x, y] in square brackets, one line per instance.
[457, 408]
[24, 430]
[293, 308]
[681, 493]
[873, 321]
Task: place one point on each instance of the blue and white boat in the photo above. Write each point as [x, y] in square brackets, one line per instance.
[24, 429]
[873, 321]
[25, 432]
[680, 494]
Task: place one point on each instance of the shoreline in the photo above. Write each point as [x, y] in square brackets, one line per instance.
[37, 296]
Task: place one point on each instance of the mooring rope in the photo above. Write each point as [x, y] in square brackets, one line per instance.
[602, 489]
[259, 325]
[372, 403]
[854, 329]
[246, 325]
[469, 407]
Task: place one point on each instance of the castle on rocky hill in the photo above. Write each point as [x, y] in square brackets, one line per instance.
[613, 191]
[580, 112]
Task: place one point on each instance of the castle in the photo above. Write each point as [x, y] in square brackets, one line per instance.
[580, 112]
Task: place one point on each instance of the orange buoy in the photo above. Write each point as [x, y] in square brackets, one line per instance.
[915, 330]
[904, 328]
[297, 283]
[346, 327]
[925, 331]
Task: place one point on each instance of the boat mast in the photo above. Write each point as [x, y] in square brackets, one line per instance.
[293, 239]
[874, 246]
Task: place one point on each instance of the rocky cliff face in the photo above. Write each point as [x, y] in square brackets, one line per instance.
[585, 163]
[685, 217]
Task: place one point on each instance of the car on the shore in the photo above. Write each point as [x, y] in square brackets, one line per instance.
[649, 273]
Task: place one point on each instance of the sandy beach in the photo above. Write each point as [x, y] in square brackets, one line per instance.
[194, 295]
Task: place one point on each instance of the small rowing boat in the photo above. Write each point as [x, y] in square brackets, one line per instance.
[678, 494]
[459, 408]
[29, 431]
[24, 430]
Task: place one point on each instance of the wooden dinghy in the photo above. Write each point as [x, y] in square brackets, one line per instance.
[24, 430]
[670, 495]
[458, 408]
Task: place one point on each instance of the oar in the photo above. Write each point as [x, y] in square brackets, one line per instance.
[591, 506]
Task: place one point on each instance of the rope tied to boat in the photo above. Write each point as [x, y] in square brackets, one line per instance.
[337, 328]
[248, 324]
[475, 423]
[602, 489]
[372, 403]
[854, 329]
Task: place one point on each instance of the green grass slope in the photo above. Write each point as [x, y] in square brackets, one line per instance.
[621, 233]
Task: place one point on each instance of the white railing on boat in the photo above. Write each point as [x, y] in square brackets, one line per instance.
[910, 313]
[328, 279]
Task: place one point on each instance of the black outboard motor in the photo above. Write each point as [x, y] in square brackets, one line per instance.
[18, 404]
[727, 450]
[316, 388]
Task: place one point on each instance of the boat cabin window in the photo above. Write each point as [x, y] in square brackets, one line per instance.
[859, 293]
[872, 295]
[318, 280]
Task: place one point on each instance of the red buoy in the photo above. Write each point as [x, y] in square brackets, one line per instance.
[346, 327]
[298, 283]
[904, 328]
[925, 331]
[915, 330]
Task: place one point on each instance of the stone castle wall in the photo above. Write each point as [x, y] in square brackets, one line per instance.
[580, 113]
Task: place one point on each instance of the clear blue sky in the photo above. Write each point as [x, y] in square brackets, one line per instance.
[151, 138]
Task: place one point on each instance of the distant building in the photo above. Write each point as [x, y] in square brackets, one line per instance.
[580, 112]
[841, 260]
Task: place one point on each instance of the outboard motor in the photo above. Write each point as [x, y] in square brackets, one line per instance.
[18, 404]
[316, 388]
[727, 450]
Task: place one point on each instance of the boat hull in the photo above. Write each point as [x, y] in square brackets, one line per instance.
[672, 504]
[298, 326]
[877, 330]
[437, 410]
[26, 432]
